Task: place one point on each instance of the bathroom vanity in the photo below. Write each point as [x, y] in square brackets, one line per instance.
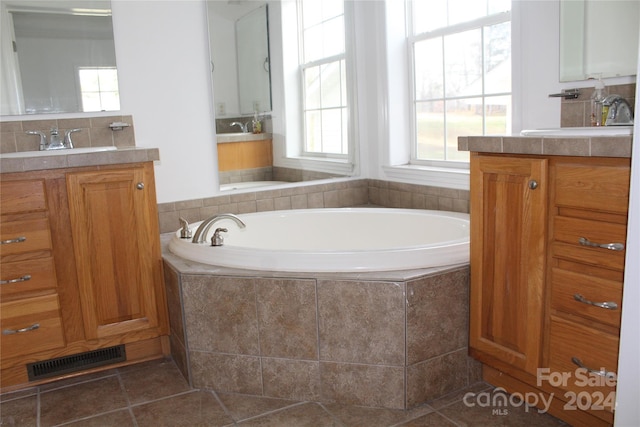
[82, 286]
[244, 151]
[548, 229]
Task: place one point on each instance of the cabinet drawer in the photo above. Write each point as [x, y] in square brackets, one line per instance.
[584, 234]
[594, 187]
[566, 285]
[30, 325]
[594, 349]
[26, 276]
[22, 196]
[24, 236]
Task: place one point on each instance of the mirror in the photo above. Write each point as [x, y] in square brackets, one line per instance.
[239, 40]
[257, 159]
[57, 57]
[598, 39]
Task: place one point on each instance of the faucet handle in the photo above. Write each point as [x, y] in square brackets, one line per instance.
[185, 232]
[43, 138]
[217, 239]
[67, 137]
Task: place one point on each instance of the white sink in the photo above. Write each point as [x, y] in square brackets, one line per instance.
[56, 152]
[581, 131]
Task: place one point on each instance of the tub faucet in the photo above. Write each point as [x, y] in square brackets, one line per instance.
[203, 228]
[243, 126]
[619, 111]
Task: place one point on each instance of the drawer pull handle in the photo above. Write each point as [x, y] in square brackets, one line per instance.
[19, 331]
[611, 246]
[609, 305]
[19, 279]
[16, 240]
[602, 372]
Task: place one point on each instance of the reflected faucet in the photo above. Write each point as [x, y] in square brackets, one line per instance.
[55, 141]
[619, 111]
[203, 228]
[243, 126]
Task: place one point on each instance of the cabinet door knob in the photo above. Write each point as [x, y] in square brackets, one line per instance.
[140, 186]
[533, 184]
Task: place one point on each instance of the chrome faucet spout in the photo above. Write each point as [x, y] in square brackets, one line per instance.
[243, 126]
[619, 111]
[203, 228]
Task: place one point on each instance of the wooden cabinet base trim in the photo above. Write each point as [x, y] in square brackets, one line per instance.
[15, 377]
[576, 418]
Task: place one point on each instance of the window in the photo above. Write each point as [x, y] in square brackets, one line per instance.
[461, 74]
[324, 82]
[99, 88]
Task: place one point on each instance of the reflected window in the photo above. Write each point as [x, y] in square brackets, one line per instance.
[461, 56]
[324, 83]
[99, 88]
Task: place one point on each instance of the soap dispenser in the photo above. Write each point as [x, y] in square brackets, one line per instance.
[256, 124]
[598, 115]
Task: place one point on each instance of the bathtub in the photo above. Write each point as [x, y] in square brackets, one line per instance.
[249, 184]
[335, 240]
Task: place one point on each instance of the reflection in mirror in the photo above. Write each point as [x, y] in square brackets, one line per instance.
[248, 161]
[57, 57]
[252, 48]
[239, 41]
[598, 39]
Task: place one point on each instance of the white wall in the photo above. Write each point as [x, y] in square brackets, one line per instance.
[163, 70]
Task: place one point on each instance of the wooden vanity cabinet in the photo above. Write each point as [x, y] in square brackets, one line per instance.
[111, 219]
[92, 254]
[556, 289]
[30, 318]
[509, 208]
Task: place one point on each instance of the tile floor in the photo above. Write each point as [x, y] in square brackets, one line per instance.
[155, 394]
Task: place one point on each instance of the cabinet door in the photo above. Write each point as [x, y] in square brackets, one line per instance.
[116, 245]
[508, 239]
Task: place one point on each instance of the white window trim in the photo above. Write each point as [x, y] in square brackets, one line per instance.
[480, 23]
[293, 154]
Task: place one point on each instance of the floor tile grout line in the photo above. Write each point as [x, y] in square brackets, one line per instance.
[75, 384]
[331, 414]
[160, 399]
[274, 411]
[126, 396]
[88, 417]
[223, 406]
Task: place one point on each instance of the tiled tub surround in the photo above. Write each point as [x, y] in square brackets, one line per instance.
[394, 339]
[338, 194]
[271, 173]
[95, 132]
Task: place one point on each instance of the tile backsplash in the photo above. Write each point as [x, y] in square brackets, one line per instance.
[577, 112]
[95, 132]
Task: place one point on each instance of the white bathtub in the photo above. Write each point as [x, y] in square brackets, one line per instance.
[249, 184]
[335, 240]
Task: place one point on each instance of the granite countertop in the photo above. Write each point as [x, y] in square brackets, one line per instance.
[72, 160]
[580, 146]
[241, 137]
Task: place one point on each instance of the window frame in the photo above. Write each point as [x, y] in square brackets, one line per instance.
[349, 82]
[411, 40]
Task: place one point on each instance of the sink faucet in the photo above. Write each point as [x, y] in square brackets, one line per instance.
[55, 141]
[203, 228]
[243, 126]
[619, 111]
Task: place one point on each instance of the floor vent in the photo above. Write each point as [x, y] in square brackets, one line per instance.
[76, 362]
